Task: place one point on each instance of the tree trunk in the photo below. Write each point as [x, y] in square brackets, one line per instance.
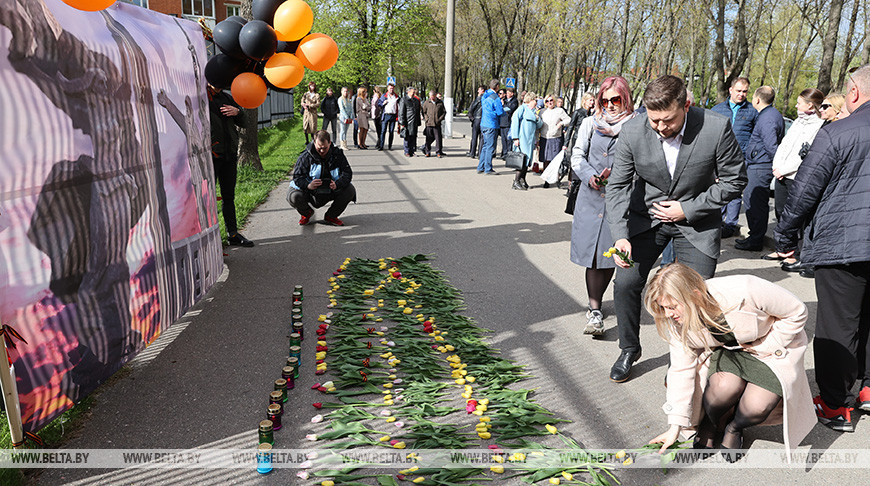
[249, 153]
[829, 45]
[719, 51]
[850, 53]
[558, 81]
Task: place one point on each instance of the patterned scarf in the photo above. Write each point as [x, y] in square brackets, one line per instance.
[610, 125]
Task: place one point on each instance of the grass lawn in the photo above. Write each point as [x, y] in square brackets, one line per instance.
[280, 145]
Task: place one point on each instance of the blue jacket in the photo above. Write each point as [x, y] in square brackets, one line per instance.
[830, 193]
[742, 124]
[766, 137]
[490, 105]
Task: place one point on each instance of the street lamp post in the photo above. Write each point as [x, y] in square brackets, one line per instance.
[448, 71]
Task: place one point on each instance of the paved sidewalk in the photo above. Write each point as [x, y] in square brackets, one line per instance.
[506, 250]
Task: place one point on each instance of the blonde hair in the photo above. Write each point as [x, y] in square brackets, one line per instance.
[361, 91]
[529, 96]
[701, 311]
[836, 100]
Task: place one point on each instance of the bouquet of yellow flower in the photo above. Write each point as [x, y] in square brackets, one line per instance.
[624, 256]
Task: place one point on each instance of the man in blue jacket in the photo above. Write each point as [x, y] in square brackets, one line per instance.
[491, 109]
[766, 137]
[742, 116]
[830, 193]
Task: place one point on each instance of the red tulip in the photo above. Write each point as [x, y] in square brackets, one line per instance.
[318, 405]
[314, 386]
[397, 274]
[321, 389]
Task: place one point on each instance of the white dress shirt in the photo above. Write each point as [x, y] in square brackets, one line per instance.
[671, 147]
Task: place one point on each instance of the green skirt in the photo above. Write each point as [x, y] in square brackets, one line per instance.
[746, 366]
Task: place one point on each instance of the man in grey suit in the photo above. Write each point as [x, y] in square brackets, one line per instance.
[675, 168]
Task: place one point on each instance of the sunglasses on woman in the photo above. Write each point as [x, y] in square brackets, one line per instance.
[824, 106]
[616, 100]
[549, 101]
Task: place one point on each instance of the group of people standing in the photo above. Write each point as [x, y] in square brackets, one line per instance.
[673, 175]
[389, 112]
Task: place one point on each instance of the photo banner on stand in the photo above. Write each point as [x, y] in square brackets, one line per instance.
[108, 218]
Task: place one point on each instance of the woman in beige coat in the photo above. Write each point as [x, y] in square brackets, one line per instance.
[737, 348]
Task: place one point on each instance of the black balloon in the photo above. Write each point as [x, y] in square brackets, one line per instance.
[236, 18]
[222, 69]
[265, 9]
[226, 37]
[258, 40]
[288, 46]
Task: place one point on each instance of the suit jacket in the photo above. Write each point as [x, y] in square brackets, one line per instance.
[709, 173]
[766, 320]
[766, 137]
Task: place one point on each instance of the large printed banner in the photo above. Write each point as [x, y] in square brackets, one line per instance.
[108, 226]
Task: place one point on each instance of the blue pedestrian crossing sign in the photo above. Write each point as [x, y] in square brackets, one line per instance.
[510, 82]
[391, 80]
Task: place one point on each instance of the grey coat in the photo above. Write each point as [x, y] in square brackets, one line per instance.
[709, 173]
[590, 235]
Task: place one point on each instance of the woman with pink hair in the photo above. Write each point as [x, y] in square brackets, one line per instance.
[591, 160]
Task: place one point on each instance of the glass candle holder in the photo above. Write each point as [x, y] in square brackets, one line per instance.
[281, 386]
[265, 433]
[287, 373]
[264, 458]
[274, 414]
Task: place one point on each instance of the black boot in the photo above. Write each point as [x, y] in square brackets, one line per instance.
[621, 369]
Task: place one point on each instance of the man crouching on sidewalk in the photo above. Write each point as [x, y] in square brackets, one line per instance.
[312, 187]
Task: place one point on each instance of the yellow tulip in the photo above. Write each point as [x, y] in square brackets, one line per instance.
[391, 419]
[555, 481]
[480, 407]
[385, 438]
[478, 412]
[401, 302]
[466, 395]
[388, 397]
[552, 429]
[379, 320]
[388, 402]
[497, 458]
[399, 445]
[627, 461]
[460, 381]
[497, 469]
[620, 454]
[368, 292]
[484, 419]
[470, 379]
[485, 401]
[484, 435]
[388, 385]
[327, 483]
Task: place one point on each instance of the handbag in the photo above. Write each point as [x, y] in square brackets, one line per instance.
[551, 173]
[515, 159]
[572, 197]
[403, 132]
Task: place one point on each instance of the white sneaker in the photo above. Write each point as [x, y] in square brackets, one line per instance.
[594, 323]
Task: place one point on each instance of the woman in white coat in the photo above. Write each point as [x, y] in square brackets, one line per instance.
[345, 116]
[795, 145]
[737, 347]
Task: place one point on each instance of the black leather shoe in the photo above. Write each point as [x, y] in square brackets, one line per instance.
[621, 369]
[728, 231]
[792, 267]
[808, 272]
[239, 240]
[743, 245]
[772, 257]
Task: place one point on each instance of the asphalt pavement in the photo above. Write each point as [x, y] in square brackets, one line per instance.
[204, 383]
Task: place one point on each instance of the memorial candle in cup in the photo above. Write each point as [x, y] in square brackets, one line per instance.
[296, 352]
[287, 375]
[281, 386]
[265, 432]
[297, 296]
[276, 398]
[297, 329]
[264, 457]
[298, 289]
[294, 362]
[274, 413]
[295, 339]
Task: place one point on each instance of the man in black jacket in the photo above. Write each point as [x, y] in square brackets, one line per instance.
[329, 108]
[312, 187]
[830, 193]
[409, 119]
[225, 116]
[475, 113]
[509, 105]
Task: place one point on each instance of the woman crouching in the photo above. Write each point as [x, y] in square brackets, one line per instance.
[737, 348]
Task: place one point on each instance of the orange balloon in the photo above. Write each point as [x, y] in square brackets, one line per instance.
[317, 52]
[249, 90]
[284, 70]
[293, 20]
[89, 5]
